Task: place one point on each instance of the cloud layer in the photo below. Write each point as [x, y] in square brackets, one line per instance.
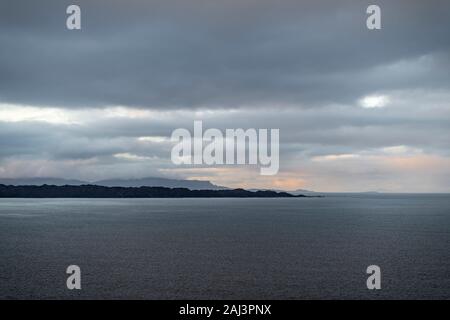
[356, 109]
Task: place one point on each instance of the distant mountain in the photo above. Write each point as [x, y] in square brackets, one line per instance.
[41, 181]
[144, 182]
[302, 191]
[159, 182]
[91, 191]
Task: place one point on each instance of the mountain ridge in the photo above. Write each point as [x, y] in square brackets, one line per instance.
[141, 182]
[93, 191]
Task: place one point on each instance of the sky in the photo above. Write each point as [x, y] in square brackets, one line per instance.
[357, 109]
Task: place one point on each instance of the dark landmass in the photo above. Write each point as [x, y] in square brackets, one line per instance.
[293, 192]
[93, 191]
[142, 182]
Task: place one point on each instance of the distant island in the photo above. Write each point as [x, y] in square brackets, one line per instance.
[141, 182]
[95, 191]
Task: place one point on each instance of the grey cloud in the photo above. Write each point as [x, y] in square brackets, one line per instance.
[329, 130]
[193, 54]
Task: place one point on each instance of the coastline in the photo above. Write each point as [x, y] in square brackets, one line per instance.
[94, 191]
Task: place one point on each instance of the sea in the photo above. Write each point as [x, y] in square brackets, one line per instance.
[229, 248]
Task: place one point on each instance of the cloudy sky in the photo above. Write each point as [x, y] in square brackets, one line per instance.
[357, 110]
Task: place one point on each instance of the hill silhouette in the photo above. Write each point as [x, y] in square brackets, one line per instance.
[141, 182]
[94, 191]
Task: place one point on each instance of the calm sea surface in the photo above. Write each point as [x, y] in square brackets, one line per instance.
[226, 248]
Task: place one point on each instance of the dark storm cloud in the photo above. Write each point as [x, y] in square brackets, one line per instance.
[192, 53]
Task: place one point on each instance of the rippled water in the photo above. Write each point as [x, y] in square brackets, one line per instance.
[226, 248]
